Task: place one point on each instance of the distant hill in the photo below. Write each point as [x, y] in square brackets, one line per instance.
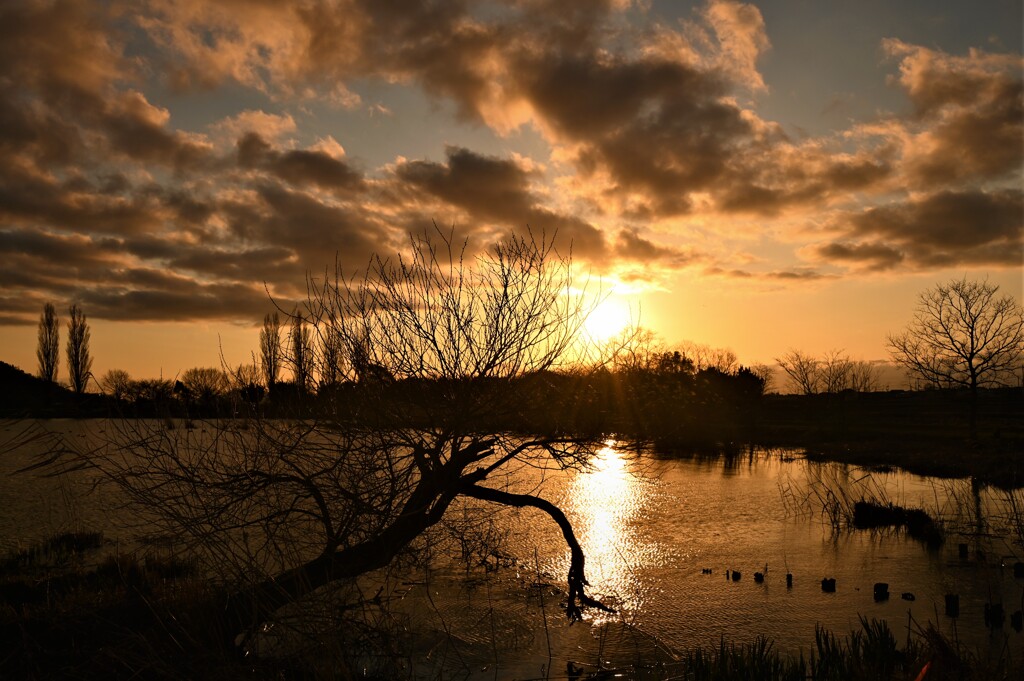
[23, 395]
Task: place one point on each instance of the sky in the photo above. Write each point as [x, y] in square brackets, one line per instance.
[758, 176]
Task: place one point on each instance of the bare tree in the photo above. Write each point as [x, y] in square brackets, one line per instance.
[766, 374]
[332, 354]
[270, 349]
[834, 369]
[863, 377]
[802, 370]
[962, 335]
[116, 383]
[295, 504]
[205, 383]
[707, 357]
[48, 350]
[833, 372]
[79, 360]
[633, 350]
[245, 381]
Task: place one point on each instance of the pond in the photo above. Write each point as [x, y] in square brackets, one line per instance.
[663, 536]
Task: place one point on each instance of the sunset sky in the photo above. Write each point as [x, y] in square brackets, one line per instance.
[765, 176]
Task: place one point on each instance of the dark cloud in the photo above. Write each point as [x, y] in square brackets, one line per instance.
[299, 167]
[173, 299]
[488, 189]
[869, 255]
[307, 226]
[630, 245]
[942, 229]
[657, 127]
[794, 275]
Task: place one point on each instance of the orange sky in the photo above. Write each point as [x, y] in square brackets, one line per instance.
[759, 176]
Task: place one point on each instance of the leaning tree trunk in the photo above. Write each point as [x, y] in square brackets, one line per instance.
[247, 609]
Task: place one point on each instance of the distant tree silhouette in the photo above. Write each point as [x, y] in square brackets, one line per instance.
[332, 353]
[300, 352]
[245, 381]
[767, 376]
[963, 335]
[48, 349]
[79, 359]
[369, 467]
[117, 384]
[205, 383]
[802, 370]
[833, 372]
[270, 349]
[708, 357]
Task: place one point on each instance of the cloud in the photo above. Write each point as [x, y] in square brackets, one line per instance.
[868, 255]
[968, 122]
[624, 135]
[487, 189]
[795, 275]
[944, 229]
[271, 127]
[299, 167]
[741, 33]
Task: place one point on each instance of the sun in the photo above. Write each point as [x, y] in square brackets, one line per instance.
[609, 318]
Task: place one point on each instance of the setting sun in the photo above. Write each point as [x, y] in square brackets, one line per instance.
[608, 318]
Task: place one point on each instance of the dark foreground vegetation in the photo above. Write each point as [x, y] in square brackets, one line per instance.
[71, 609]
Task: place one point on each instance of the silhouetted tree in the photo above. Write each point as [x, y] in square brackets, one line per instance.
[300, 346]
[116, 383]
[834, 369]
[707, 357]
[245, 380]
[767, 376]
[79, 360]
[862, 377]
[204, 383]
[963, 335]
[298, 503]
[834, 372]
[802, 370]
[270, 349]
[332, 354]
[48, 350]
[153, 391]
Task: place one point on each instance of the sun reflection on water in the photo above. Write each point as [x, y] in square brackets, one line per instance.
[607, 502]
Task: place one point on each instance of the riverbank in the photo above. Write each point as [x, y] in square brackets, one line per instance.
[922, 432]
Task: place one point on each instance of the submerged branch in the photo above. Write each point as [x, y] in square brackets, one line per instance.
[578, 599]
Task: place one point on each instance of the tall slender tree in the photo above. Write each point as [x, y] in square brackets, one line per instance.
[270, 349]
[79, 359]
[48, 351]
[301, 351]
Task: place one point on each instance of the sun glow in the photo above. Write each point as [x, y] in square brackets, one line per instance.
[608, 318]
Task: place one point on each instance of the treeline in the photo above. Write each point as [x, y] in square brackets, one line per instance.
[661, 395]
